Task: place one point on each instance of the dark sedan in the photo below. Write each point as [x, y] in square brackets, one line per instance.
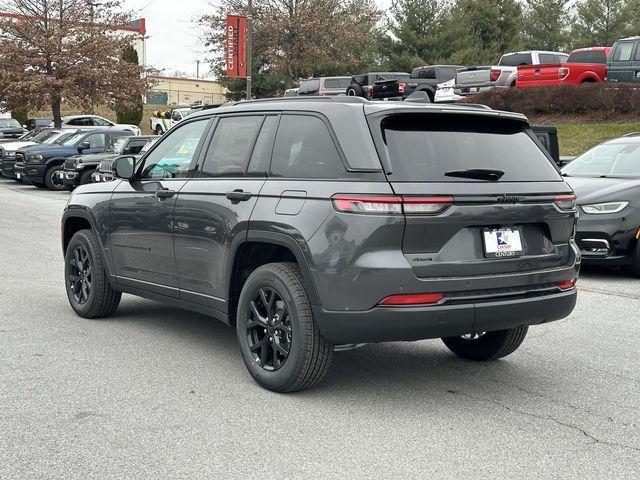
[606, 180]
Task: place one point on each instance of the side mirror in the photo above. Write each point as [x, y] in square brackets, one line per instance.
[123, 167]
[419, 96]
[83, 146]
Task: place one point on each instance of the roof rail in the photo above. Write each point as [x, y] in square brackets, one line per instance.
[310, 98]
[632, 134]
[470, 105]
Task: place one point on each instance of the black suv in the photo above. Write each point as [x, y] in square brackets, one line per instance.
[308, 223]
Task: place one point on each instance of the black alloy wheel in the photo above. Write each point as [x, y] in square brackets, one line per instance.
[268, 329]
[80, 275]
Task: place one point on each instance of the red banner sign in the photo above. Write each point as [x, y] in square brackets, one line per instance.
[236, 46]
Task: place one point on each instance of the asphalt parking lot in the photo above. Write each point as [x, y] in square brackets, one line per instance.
[157, 392]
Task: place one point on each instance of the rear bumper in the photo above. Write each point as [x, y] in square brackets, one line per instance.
[383, 324]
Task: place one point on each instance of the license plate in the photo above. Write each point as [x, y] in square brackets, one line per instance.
[502, 242]
[18, 176]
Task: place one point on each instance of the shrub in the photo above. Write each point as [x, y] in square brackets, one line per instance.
[599, 101]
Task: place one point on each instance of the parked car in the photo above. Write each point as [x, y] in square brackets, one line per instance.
[378, 85]
[91, 122]
[623, 65]
[472, 80]
[80, 169]
[160, 122]
[104, 171]
[38, 123]
[427, 79]
[11, 129]
[324, 86]
[310, 223]
[8, 150]
[584, 65]
[40, 164]
[606, 180]
[445, 93]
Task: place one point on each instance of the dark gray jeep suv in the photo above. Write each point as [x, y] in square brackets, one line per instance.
[313, 222]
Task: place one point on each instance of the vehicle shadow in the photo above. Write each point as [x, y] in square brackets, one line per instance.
[398, 371]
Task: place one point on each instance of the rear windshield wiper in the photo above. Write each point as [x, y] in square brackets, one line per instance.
[477, 173]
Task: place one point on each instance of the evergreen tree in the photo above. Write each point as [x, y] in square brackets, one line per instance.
[130, 114]
[547, 24]
[601, 22]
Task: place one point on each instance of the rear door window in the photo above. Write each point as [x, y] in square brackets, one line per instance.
[231, 145]
[424, 147]
[304, 149]
[337, 82]
[546, 58]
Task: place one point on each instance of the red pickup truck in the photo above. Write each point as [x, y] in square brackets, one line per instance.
[583, 65]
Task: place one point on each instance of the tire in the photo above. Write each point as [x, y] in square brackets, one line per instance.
[99, 300]
[50, 182]
[634, 268]
[159, 130]
[355, 90]
[309, 354]
[489, 346]
[85, 178]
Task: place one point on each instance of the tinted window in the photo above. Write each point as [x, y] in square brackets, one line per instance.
[304, 149]
[231, 146]
[309, 86]
[259, 163]
[337, 82]
[172, 156]
[77, 121]
[588, 56]
[425, 147]
[562, 58]
[547, 58]
[609, 159]
[622, 52]
[515, 59]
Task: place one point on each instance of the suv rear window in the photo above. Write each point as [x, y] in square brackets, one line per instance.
[424, 147]
[515, 59]
[309, 86]
[588, 56]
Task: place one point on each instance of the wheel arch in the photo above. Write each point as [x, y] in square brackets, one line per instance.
[260, 248]
[54, 161]
[76, 219]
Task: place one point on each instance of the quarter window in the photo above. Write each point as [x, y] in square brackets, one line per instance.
[231, 146]
[623, 52]
[304, 149]
[172, 157]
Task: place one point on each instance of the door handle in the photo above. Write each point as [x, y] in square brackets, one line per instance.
[163, 193]
[238, 195]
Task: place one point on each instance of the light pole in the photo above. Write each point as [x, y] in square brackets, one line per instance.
[249, 45]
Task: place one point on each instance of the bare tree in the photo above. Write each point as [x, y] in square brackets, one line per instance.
[65, 50]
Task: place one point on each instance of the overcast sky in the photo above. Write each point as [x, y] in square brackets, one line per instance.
[175, 41]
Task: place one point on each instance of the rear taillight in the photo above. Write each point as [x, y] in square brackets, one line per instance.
[567, 284]
[401, 87]
[563, 72]
[391, 205]
[494, 75]
[565, 202]
[412, 299]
